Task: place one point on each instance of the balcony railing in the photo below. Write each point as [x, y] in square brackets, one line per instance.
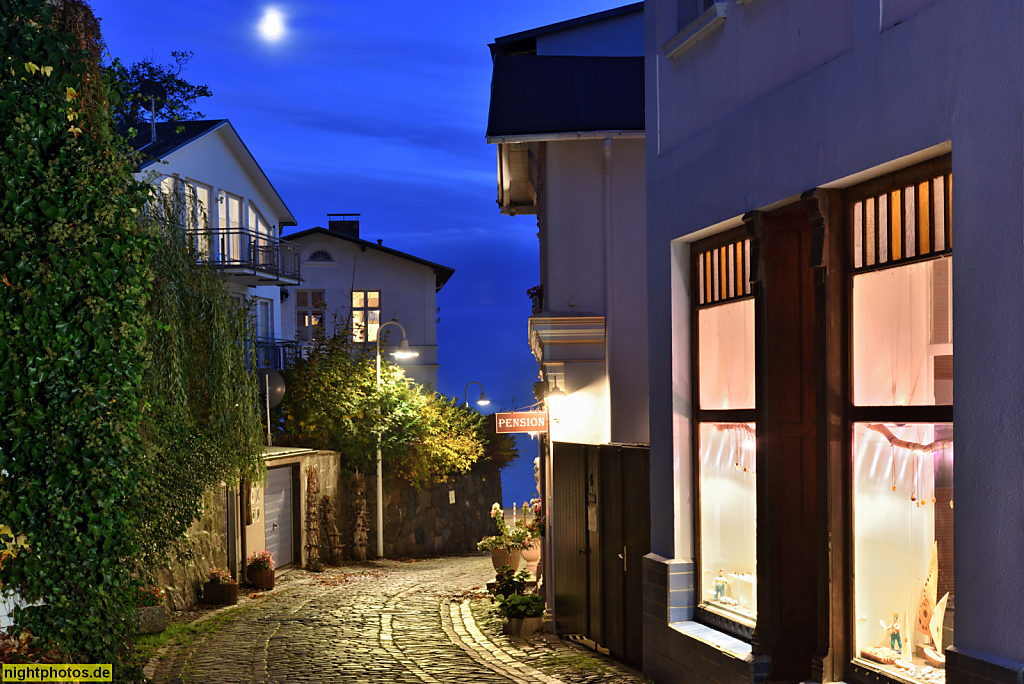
[276, 354]
[249, 253]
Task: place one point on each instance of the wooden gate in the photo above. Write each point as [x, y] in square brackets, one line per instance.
[601, 532]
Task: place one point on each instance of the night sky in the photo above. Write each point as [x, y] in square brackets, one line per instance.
[379, 108]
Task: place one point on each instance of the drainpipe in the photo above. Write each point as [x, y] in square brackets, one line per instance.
[608, 284]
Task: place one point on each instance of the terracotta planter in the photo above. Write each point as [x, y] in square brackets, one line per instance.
[531, 556]
[261, 579]
[150, 619]
[220, 594]
[523, 627]
[501, 557]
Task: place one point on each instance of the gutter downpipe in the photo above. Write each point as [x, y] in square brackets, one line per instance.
[608, 284]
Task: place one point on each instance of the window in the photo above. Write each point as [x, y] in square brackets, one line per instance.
[309, 315]
[257, 223]
[365, 315]
[229, 237]
[320, 255]
[264, 319]
[197, 205]
[902, 395]
[726, 469]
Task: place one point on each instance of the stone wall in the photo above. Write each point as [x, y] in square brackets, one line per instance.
[191, 557]
[421, 523]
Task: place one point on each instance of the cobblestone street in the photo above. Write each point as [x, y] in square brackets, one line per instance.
[387, 621]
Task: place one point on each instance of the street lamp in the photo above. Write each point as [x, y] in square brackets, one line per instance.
[404, 352]
[482, 401]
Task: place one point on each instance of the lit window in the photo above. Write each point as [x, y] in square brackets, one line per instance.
[257, 223]
[903, 462]
[230, 242]
[726, 442]
[309, 315]
[365, 315]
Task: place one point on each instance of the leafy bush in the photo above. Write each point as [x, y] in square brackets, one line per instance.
[515, 606]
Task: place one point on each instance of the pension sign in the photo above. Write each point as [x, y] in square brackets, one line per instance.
[524, 421]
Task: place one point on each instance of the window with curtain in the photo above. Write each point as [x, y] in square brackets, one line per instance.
[726, 434]
[902, 395]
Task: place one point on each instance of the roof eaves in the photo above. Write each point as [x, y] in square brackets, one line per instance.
[569, 23]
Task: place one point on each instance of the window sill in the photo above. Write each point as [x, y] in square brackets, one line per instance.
[702, 26]
[721, 641]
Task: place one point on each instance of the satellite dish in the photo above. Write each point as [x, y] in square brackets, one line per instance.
[272, 380]
[154, 93]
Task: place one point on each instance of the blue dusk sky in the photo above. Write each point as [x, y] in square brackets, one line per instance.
[379, 108]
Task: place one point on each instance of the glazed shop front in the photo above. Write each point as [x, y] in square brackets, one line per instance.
[822, 386]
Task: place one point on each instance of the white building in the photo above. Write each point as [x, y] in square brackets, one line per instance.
[567, 118]
[810, 166]
[348, 281]
[245, 215]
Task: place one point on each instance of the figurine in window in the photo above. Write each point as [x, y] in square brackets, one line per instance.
[720, 583]
[895, 641]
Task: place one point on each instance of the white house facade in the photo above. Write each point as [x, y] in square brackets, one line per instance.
[811, 169]
[359, 285]
[567, 119]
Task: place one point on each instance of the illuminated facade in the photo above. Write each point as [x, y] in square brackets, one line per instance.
[812, 168]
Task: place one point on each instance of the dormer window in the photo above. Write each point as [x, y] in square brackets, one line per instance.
[320, 255]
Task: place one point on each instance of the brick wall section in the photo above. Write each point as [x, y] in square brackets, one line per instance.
[421, 523]
[969, 667]
[685, 652]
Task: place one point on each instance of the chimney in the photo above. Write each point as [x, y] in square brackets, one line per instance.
[345, 224]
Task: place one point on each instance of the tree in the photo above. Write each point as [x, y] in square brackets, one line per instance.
[133, 110]
[333, 402]
[74, 281]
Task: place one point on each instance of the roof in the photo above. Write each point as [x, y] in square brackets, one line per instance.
[557, 94]
[172, 136]
[526, 41]
[442, 273]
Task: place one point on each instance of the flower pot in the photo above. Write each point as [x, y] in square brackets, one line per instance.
[531, 556]
[523, 627]
[220, 594]
[501, 557]
[150, 619]
[261, 579]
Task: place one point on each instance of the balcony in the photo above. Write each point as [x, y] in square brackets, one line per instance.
[250, 258]
[276, 354]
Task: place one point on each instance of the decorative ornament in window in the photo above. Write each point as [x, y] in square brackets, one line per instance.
[320, 255]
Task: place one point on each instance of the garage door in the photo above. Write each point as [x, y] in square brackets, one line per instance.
[277, 520]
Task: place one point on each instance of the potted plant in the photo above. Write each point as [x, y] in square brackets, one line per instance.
[220, 588]
[535, 529]
[259, 569]
[506, 545]
[523, 612]
[150, 611]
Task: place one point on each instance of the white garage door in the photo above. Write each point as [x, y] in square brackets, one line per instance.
[277, 518]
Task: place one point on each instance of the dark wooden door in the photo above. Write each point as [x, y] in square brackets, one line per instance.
[636, 515]
[569, 536]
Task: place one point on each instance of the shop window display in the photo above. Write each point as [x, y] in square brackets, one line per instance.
[727, 515]
[727, 466]
[903, 471]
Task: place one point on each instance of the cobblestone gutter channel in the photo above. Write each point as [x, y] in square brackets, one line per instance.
[390, 621]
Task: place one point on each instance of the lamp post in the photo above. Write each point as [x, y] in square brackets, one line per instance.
[404, 352]
[482, 401]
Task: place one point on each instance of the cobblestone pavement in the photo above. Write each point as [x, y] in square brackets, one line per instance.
[387, 621]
